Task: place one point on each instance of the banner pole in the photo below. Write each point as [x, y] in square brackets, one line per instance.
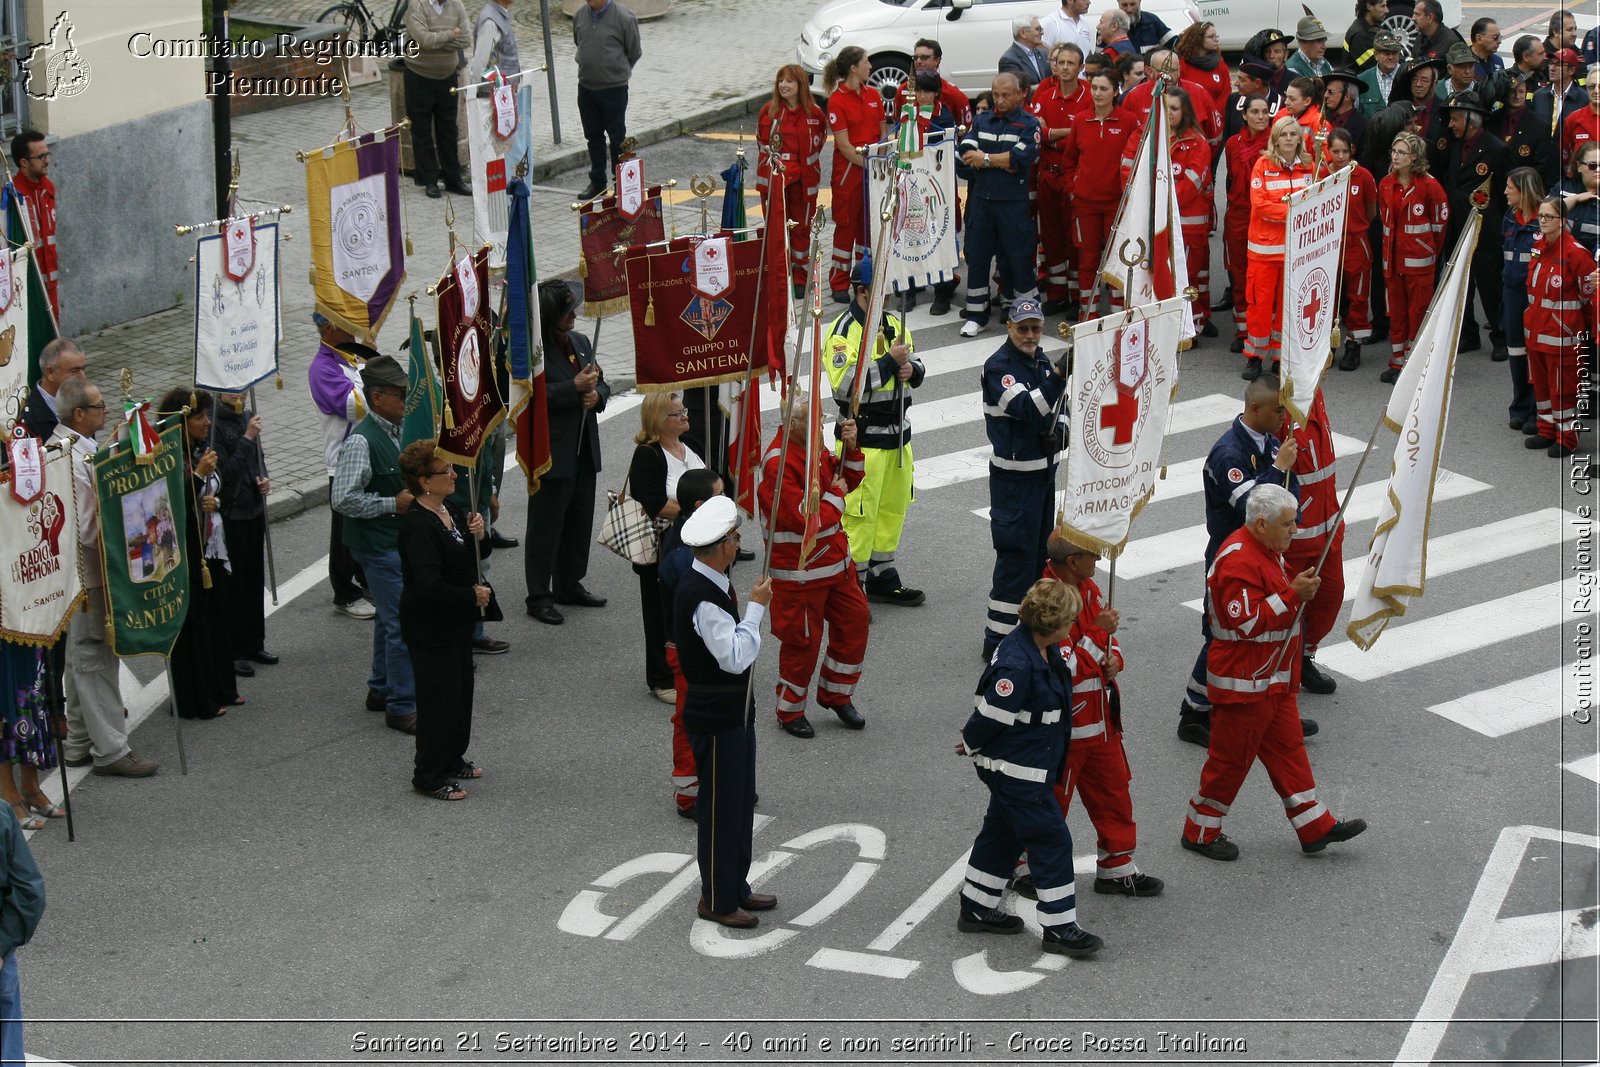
[177, 720]
[266, 529]
[472, 506]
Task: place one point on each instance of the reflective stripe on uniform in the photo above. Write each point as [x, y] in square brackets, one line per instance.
[1012, 770]
[1019, 464]
[810, 576]
[1246, 685]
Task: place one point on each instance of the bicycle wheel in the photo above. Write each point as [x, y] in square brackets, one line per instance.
[353, 16]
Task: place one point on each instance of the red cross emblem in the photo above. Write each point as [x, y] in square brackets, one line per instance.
[1120, 418]
[1309, 312]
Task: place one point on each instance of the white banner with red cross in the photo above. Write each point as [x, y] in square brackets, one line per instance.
[1312, 259]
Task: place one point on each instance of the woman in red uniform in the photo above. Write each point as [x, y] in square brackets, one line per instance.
[1285, 168]
[802, 129]
[1191, 167]
[1241, 151]
[1561, 293]
[855, 115]
[1200, 61]
[1414, 212]
[1357, 284]
[1092, 159]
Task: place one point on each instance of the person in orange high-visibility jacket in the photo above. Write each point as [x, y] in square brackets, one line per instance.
[1319, 504]
[820, 590]
[1415, 213]
[1561, 309]
[802, 130]
[1252, 687]
[1284, 169]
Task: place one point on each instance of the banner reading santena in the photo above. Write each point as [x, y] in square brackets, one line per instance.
[695, 309]
[236, 324]
[472, 403]
[142, 523]
[39, 577]
[358, 258]
[1124, 376]
[1313, 258]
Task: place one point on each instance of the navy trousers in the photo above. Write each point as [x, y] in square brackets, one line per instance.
[725, 812]
[1022, 815]
[998, 230]
[1021, 515]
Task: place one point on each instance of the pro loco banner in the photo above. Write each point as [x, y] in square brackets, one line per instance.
[1312, 263]
[602, 228]
[236, 321]
[358, 259]
[695, 311]
[497, 140]
[472, 404]
[1124, 378]
[13, 339]
[39, 579]
[923, 245]
[142, 524]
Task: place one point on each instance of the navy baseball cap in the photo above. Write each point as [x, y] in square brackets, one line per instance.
[1025, 309]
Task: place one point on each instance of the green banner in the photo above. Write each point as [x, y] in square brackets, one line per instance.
[143, 518]
[421, 420]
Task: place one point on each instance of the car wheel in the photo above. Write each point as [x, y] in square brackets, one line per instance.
[889, 72]
[1402, 25]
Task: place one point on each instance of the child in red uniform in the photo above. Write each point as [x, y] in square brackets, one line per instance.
[1414, 212]
[1357, 284]
[803, 129]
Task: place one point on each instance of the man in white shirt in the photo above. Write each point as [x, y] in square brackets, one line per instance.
[1070, 24]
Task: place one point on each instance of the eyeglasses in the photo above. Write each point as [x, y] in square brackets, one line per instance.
[681, 413]
[1549, 218]
[91, 407]
[42, 155]
[1590, 166]
[923, 56]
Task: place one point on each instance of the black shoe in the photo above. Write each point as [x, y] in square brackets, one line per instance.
[547, 614]
[841, 296]
[1208, 329]
[1195, 728]
[1071, 940]
[1530, 426]
[1023, 886]
[500, 540]
[490, 646]
[376, 701]
[1218, 848]
[1538, 442]
[1558, 451]
[906, 598]
[800, 728]
[1054, 307]
[745, 555]
[1516, 424]
[1390, 376]
[849, 716]
[797, 290]
[988, 921]
[1343, 830]
[911, 299]
[242, 668]
[940, 306]
[687, 813]
[1312, 680]
[456, 186]
[1309, 727]
[1135, 885]
[1252, 369]
[582, 598]
[1226, 303]
[1350, 358]
[434, 191]
[1237, 346]
[1499, 353]
[1469, 343]
[262, 656]
[592, 190]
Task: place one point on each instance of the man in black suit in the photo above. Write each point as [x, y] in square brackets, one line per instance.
[561, 513]
[60, 360]
[1025, 58]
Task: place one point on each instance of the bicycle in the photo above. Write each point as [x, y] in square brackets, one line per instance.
[360, 21]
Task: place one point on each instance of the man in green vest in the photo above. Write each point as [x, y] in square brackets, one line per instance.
[369, 493]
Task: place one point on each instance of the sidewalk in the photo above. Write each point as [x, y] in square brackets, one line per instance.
[159, 348]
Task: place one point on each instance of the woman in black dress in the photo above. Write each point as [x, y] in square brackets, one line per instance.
[440, 601]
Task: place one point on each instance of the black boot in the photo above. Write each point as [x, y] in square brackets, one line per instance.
[1313, 680]
[1350, 359]
[1071, 940]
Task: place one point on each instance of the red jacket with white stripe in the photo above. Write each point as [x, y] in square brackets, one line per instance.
[1191, 173]
[1560, 297]
[1092, 155]
[1252, 608]
[1086, 649]
[830, 555]
[1414, 218]
[1240, 153]
[803, 131]
[1313, 466]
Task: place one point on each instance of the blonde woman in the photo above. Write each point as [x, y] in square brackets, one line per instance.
[1284, 168]
[660, 459]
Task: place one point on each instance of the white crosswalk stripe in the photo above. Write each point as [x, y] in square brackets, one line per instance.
[1513, 706]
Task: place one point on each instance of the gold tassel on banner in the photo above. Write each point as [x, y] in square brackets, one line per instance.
[583, 268]
[650, 312]
[279, 382]
[650, 281]
[205, 575]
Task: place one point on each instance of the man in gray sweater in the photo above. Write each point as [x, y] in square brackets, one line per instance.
[607, 36]
[442, 34]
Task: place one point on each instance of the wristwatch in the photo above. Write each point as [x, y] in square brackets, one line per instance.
[986, 159]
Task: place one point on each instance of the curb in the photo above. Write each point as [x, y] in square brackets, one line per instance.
[572, 158]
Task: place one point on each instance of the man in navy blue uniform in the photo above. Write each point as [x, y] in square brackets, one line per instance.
[1246, 456]
[995, 157]
[1145, 30]
[1021, 414]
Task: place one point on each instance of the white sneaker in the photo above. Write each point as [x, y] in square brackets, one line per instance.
[357, 609]
[971, 328]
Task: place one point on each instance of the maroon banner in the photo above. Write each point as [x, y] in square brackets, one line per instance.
[682, 337]
[473, 406]
[603, 228]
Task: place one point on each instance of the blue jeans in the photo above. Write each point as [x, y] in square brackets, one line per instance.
[10, 1013]
[391, 662]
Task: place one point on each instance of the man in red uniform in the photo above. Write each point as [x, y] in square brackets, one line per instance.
[1137, 100]
[1582, 126]
[1319, 504]
[32, 158]
[1251, 686]
[926, 56]
[1055, 103]
[821, 589]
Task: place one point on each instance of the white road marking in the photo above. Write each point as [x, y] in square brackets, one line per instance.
[1587, 766]
[1510, 707]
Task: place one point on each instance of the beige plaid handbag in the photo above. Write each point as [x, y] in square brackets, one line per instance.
[629, 531]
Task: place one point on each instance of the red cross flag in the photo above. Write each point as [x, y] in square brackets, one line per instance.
[1312, 262]
[1124, 376]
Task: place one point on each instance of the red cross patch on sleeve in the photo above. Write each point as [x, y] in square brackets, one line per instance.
[1004, 687]
[1235, 475]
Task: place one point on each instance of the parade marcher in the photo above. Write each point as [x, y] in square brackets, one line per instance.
[1271, 46]
[1112, 30]
[369, 492]
[1199, 51]
[1583, 126]
[494, 40]
[1310, 57]
[1581, 191]
[1164, 67]
[97, 729]
[1302, 101]
[1378, 79]
[487, 504]
[1464, 161]
[441, 33]
[1284, 169]
[1145, 29]
[1519, 229]
[1415, 214]
[875, 509]
[1026, 431]
[925, 59]
[1091, 156]
[335, 380]
[1017, 738]
[1528, 62]
[1360, 40]
[717, 650]
[28, 743]
[1252, 603]
[1561, 308]
[1068, 25]
[31, 155]
[802, 129]
[1025, 58]
[1561, 97]
[1433, 38]
[817, 591]
[1056, 102]
[1416, 83]
[1562, 32]
[607, 48]
[1356, 291]
[1241, 151]
[245, 485]
[1341, 96]
[1132, 72]
[1317, 524]
[1484, 43]
[694, 489]
[1527, 136]
[934, 114]
[996, 158]
[1191, 167]
[1254, 80]
[555, 555]
[21, 907]
[855, 115]
[59, 360]
[1246, 457]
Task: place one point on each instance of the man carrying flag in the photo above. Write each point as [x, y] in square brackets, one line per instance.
[1319, 524]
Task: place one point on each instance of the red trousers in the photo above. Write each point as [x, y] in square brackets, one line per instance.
[1097, 770]
[1554, 376]
[1236, 256]
[1055, 236]
[1091, 229]
[849, 242]
[1264, 314]
[798, 208]
[1323, 609]
[1408, 302]
[1358, 285]
[800, 610]
[1267, 729]
[685, 778]
[1197, 253]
